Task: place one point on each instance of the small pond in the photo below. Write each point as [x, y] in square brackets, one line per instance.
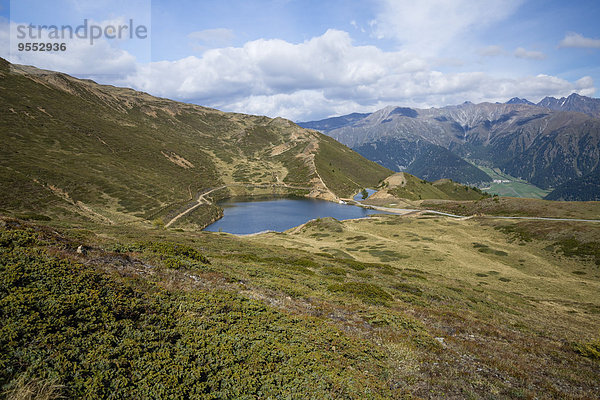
[359, 196]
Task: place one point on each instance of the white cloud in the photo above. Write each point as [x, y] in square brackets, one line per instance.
[536, 87]
[265, 67]
[80, 58]
[428, 26]
[326, 75]
[520, 52]
[295, 105]
[329, 75]
[573, 39]
[357, 27]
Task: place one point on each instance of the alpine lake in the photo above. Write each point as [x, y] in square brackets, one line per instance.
[243, 216]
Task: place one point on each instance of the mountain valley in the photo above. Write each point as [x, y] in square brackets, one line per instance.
[110, 287]
[547, 144]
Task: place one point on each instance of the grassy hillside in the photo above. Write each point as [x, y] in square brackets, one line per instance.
[510, 206]
[113, 155]
[407, 186]
[70, 330]
[342, 169]
[388, 307]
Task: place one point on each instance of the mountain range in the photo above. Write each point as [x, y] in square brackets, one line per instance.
[547, 144]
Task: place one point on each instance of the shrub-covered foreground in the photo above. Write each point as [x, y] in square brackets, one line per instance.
[73, 331]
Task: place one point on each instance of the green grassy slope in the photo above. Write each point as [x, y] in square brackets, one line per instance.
[72, 147]
[343, 170]
[414, 188]
[72, 331]
[88, 149]
[510, 206]
[387, 307]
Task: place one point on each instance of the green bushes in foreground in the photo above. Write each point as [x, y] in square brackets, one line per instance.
[170, 255]
[89, 335]
[368, 293]
[589, 349]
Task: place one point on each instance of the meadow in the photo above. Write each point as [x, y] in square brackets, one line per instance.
[385, 307]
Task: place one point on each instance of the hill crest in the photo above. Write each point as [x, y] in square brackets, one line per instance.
[408, 187]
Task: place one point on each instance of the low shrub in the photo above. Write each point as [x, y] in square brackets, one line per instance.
[572, 247]
[70, 331]
[367, 292]
[589, 349]
[10, 238]
[408, 288]
[484, 248]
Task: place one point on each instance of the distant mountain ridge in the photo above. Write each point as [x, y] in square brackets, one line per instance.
[547, 144]
[335, 122]
[575, 102]
[517, 100]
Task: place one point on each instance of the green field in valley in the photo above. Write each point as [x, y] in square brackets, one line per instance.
[515, 188]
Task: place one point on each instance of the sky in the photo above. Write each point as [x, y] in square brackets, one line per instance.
[307, 60]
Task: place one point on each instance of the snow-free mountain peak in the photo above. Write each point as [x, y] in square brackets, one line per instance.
[518, 100]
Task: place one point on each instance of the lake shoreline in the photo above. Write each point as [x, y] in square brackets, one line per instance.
[280, 213]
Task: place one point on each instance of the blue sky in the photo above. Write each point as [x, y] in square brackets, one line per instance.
[305, 59]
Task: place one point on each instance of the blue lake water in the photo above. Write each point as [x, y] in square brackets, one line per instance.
[251, 216]
[358, 197]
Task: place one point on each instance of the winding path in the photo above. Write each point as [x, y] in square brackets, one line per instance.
[201, 200]
[410, 210]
